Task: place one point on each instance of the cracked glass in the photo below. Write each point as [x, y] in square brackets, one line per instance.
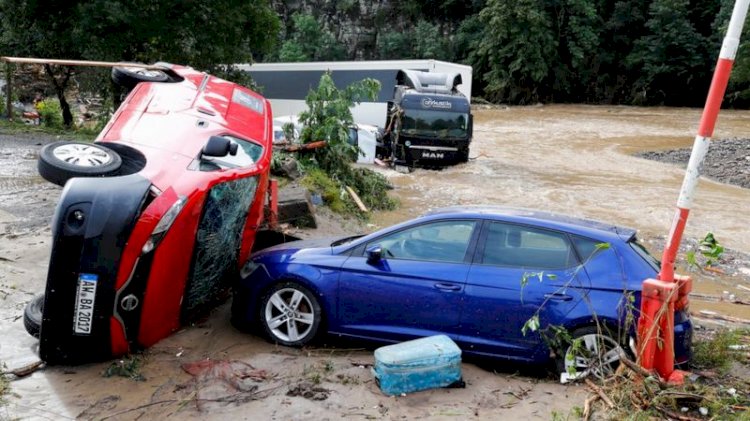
[218, 242]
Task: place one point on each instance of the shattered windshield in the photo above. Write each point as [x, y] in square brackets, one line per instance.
[441, 124]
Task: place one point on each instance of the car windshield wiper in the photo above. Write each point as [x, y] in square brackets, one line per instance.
[346, 240]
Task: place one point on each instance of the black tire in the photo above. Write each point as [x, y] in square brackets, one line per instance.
[32, 316]
[99, 161]
[307, 304]
[599, 365]
[128, 77]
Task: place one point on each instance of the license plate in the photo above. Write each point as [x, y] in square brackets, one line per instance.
[84, 314]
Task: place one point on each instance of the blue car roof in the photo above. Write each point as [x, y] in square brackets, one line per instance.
[585, 227]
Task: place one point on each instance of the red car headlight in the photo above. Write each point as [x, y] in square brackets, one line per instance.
[164, 224]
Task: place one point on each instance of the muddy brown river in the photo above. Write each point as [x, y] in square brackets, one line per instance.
[576, 160]
[561, 158]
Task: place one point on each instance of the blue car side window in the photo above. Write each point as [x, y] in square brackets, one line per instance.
[602, 263]
[445, 241]
[520, 246]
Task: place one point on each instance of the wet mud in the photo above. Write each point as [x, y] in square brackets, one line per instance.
[573, 159]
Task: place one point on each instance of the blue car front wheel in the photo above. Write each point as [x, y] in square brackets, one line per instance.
[290, 314]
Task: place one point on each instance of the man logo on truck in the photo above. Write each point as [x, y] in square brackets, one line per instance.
[433, 155]
[431, 103]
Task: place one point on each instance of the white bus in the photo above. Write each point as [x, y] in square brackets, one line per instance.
[287, 84]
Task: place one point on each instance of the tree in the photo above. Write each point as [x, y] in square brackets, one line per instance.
[738, 90]
[329, 118]
[206, 34]
[393, 45]
[309, 41]
[578, 27]
[518, 42]
[429, 42]
[42, 29]
[671, 57]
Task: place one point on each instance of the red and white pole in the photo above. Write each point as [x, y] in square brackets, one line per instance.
[703, 138]
[669, 292]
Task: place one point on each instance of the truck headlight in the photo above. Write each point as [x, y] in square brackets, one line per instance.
[164, 224]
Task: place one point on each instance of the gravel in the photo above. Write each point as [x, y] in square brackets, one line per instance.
[727, 161]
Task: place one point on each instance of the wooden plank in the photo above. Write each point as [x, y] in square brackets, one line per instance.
[356, 198]
[29, 60]
[716, 316]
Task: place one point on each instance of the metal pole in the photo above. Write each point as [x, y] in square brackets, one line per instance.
[8, 90]
[703, 138]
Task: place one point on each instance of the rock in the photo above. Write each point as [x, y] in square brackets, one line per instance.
[289, 169]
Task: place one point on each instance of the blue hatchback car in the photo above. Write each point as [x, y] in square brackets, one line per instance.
[516, 284]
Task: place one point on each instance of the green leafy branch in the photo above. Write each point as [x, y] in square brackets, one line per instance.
[709, 248]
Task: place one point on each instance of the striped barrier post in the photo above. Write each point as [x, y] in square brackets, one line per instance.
[661, 296]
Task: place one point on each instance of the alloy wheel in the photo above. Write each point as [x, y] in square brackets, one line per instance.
[289, 315]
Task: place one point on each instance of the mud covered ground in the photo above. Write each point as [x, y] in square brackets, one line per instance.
[210, 370]
[572, 159]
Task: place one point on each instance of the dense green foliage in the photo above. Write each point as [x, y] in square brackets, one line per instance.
[647, 52]
[525, 51]
[205, 34]
[329, 118]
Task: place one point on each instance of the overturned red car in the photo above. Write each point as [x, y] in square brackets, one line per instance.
[156, 215]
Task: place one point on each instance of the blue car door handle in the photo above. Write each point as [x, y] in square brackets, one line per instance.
[559, 297]
[447, 287]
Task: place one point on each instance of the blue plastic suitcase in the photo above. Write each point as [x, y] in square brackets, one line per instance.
[420, 364]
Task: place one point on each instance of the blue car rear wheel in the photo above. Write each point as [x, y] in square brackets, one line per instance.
[593, 352]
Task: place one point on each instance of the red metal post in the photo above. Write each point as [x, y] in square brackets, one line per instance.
[659, 297]
[273, 202]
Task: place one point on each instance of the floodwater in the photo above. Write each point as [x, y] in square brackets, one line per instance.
[576, 160]
[563, 158]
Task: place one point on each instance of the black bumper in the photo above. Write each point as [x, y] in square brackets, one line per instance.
[430, 152]
[91, 225]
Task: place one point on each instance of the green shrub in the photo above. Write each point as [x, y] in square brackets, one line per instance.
[50, 113]
[715, 353]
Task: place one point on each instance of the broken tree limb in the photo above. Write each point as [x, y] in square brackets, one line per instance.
[640, 370]
[587, 407]
[674, 416]
[29, 60]
[305, 146]
[356, 199]
[26, 370]
[601, 393]
[742, 287]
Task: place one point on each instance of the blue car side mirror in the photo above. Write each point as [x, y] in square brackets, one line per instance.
[374, 253]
